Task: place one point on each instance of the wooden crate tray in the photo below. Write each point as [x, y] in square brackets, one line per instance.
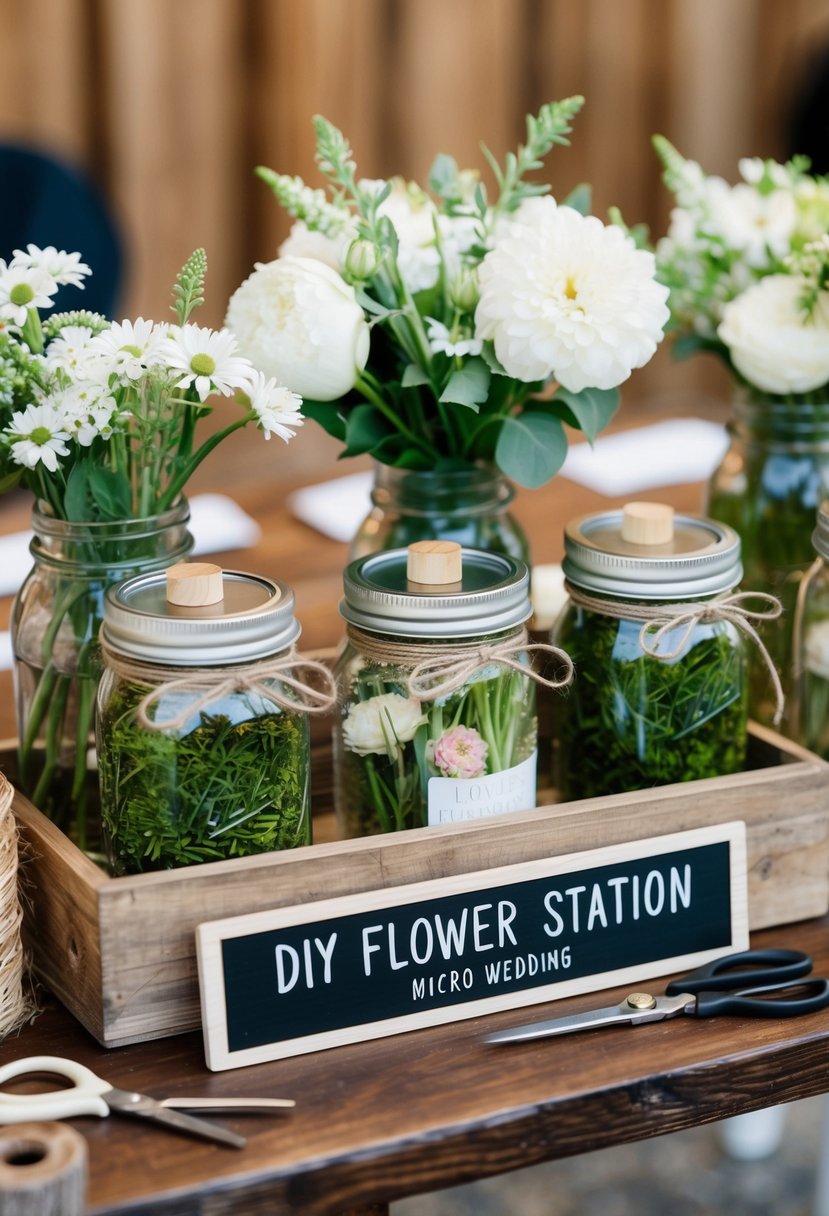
[120, 952]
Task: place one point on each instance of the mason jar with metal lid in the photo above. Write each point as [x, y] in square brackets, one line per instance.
[811, 646]
[658, 640]
[202, 724]
[436, 689]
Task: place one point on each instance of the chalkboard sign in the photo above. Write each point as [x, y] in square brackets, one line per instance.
[298, 979]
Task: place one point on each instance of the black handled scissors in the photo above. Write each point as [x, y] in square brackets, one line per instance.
[732, 985]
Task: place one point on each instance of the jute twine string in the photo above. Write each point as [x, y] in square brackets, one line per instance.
[661, 620]
[210, 684]
[440, 669]
[14, 1006]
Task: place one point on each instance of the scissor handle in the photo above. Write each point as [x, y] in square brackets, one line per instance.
[814, 995]
[747, 969]
[83, 1098]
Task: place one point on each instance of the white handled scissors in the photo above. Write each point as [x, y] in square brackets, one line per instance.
[89, 1094]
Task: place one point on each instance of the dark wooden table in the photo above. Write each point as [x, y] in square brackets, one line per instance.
[416, 1112]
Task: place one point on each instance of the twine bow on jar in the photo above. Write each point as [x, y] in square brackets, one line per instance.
[212, 684]
[662, 621]
[449, 668]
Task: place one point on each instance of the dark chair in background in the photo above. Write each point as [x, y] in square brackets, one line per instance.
[46, 201]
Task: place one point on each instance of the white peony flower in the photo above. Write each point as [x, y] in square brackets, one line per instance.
[297, 320]
[276, 407]
[564, 295]
[378, 726]
[413, 215]
[770, 342]
[301, 242]
[38, 436]
[209, 359]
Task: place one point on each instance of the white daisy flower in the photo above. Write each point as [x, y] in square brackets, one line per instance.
[37, 435]
[277, 408]
[63, 267]
[130, 348]
[441, 341]
[22, 288]
[208, 359]
[563, 295]
[70, 351]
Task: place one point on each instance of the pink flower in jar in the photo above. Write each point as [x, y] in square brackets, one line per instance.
[461, 752]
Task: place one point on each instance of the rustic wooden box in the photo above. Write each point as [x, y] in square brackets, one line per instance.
[120, 952]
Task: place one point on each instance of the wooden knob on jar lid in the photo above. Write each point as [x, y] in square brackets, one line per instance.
[647, 523]
[195, 584]
[436, 563]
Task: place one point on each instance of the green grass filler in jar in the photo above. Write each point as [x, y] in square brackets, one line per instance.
[436, 689]
[811, 646]
[202, 726]
[658, 638]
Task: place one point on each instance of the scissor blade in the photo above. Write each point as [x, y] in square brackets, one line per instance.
[608, 1016]
[247, 1105]
[144, 1107]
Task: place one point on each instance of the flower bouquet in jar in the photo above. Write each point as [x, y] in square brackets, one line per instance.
[748, 270]
[99, 420]
[450, 333]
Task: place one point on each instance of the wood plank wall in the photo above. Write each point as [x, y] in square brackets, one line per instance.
[169, 105]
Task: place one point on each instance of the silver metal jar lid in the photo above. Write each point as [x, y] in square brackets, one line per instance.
[702, 559]
[254, 620]
[493, 595]
[820, 536]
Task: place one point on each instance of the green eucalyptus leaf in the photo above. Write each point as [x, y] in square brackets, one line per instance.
[469, 385]
[592, 408]
[76, 498]
[691, 344]
[413, 375]
[492, 361]
[365, 428]
[443, 176]
[327, 414]
[110, 492]
[580, 198]
[531, 448]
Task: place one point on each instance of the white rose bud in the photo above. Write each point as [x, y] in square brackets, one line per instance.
[771, 343]
[297, 320]
[463, 290]
[379, 725]
[362, 260]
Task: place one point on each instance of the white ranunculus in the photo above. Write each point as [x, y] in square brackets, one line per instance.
[564, 295]
[297, 320]
[770, 343]
[380, 724]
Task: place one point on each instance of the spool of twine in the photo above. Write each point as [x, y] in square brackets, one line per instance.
[15, 1008]
[42, 1170]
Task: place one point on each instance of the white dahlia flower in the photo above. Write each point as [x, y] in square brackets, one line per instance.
[563, 295]
[771, 343]
[299, 322]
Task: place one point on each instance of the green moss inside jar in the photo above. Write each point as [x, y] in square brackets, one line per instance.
[203, 740]
[643, 713]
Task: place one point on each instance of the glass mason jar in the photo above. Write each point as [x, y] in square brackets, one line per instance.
[633, 720]
[204, 751]
[54, 626]
[458, 744]
[811, 633]
[767, 488]
[467, 505]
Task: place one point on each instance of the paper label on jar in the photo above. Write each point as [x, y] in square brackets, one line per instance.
[456, 799]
